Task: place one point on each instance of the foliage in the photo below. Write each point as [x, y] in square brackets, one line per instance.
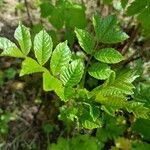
[65, 14]
[104, 27]
[78, 142]
[98, 99]
[5, 118]
[141, 9]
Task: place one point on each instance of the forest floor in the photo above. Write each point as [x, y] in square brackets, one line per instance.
[18, 97]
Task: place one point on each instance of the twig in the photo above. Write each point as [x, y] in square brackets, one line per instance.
[131, 40]
[131, 60]
[28, 13]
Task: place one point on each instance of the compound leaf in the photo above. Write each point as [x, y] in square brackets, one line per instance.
[107, 31]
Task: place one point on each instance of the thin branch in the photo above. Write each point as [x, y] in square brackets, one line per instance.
[131, 40]
[132, 58]
[28, 13]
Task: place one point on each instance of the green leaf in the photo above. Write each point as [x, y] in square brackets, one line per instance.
[60, 58]
[5, 43]
[144, 19]
[111, 78]
[117, 86]
[100, 71]
[46, 9]
[116, 89]
[72, 74]
[87, 120]
[113, 101]
[29, 66]
[68, 92]
[126, 75]
[124, 3]
[84, 142]
[22, 35]
[57, 18]
[13, 52]
[78, 142]
[60, 93]
[74, 15]
[50, 82]
[70, 36]
[136, 7]
[142, 126]
[138, 109]
[85, 40]
[111, 129]
[140, 146]
[108, 55]
[10, 73]
[142, 94]
[107, 31]
[94, 112]
[9, 48]
[47, 128]
[68, 13]
[82, 94]
[109, 110]
[61, 144]
[68, 114]
[42, 47]
[89, 124]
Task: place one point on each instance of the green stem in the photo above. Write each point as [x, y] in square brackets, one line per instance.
[86, 67]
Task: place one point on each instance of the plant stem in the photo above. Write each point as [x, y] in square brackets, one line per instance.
[28, 13]
[87, 65]
[131, 59]
[131, 40]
